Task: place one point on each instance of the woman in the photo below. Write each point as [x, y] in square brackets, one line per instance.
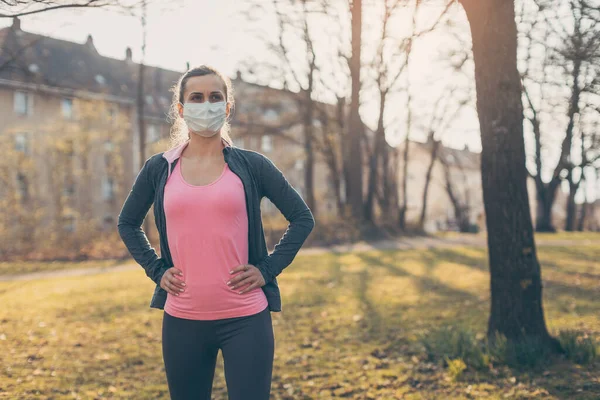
[215, 279]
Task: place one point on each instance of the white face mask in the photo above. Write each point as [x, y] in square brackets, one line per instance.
[205, 119]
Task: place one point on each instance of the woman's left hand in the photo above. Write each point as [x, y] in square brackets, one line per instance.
[250, 275]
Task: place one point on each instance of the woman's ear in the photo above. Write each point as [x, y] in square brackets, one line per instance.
[228, 110]
[180, 109]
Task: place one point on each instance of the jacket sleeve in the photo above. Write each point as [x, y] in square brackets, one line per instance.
[301, 221]
[132, 216]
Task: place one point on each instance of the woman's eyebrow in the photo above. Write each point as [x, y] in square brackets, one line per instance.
[213, 92]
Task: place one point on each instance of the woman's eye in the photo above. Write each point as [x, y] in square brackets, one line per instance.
[216, 97]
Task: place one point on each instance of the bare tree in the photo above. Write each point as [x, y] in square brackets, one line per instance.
[461, 203]
[387, 74]
[444, 112]
[354, 178]
[293, 19]
[329, 144]
[21, 8]
[546, 69]
[516, 285]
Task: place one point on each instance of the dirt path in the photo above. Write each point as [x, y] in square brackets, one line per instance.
[392, 244]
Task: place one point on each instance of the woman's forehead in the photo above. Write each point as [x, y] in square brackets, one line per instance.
[205, 84]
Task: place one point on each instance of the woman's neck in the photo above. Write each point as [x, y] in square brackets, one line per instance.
[203, 147]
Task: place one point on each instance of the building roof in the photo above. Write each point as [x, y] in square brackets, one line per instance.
[35, 59]
[465, 158]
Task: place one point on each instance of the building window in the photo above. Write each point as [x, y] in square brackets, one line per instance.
[108, 145]
[152, 133]
[108, 150]
[299, 164]
[112, 113]
[69, 223]
[149, 100]
[23, 103]
[266, 143]
[108, 188]
[100, 80]
[270, 115]
[23, 187]
[22, 143]
[69, 149]
[66, 106]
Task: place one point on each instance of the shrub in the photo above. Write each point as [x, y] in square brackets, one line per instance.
[456, 367]
[453, 343]
[578, 347]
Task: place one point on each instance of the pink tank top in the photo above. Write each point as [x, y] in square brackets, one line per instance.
[207, 232]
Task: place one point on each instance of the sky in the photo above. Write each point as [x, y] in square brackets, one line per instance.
[219, 33]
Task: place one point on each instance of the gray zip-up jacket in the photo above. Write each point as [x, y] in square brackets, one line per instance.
[260, 177]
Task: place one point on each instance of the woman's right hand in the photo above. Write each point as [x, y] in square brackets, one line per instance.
[171, 283]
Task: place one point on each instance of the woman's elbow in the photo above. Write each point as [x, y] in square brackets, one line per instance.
[310, 220]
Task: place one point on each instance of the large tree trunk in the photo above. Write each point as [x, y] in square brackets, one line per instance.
[516, 284]
[355, 175]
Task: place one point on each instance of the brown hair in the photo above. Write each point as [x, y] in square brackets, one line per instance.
[179, 131]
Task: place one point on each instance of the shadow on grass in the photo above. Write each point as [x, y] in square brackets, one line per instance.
[388, 325]
[554, 289]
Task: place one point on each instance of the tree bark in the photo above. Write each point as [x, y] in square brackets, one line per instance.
[355, 175]
[516, 284]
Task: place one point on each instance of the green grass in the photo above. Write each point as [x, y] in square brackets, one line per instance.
[351, 327]
[26, 267]
[558, 236]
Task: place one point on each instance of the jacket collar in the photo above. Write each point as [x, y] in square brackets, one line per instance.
[175, 152]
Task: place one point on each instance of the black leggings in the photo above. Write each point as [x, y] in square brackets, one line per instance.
[190, 350]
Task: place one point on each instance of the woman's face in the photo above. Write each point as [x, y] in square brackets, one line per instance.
[199, 89]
